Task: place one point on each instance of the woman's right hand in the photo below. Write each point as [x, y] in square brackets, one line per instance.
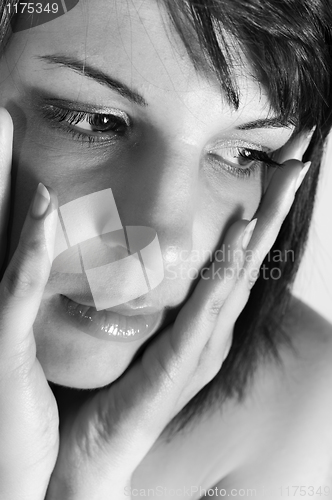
[29, 438]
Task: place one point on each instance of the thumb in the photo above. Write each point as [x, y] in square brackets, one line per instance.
[6, 145]
[25, 278]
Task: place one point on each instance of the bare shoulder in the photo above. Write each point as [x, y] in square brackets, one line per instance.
[288, 417]
[312, 339]
[305, 372]
[304, 316]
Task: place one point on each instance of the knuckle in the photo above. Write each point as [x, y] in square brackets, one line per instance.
[29, 248]
[21, 276]
[18, 282]
[222, 291]
[250, 277]
[214, 307]
[251, 282]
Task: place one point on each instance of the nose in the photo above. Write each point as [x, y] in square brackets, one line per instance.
[164, 194]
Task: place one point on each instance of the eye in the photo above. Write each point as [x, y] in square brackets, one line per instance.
[241, 161]
[240, 157]
[98, 123]
[91, 127]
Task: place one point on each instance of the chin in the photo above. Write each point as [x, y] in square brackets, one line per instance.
[72, 357]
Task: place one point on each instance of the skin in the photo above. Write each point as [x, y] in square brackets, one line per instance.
[184, 119]
[185, 116]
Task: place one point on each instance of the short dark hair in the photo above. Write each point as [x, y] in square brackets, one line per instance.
[6, 11]
[289, 45]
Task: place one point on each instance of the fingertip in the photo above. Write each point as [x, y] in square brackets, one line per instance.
[6, 129]
[235, 232]
[293, 163]
[295, 147]
[5, 117]
[54, 204]
[247, 234]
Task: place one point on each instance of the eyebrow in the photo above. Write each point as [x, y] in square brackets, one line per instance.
[97, 75]
[275, 122]
[103, 79]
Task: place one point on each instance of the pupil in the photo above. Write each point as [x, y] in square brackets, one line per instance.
[102, 123]
[242, 160]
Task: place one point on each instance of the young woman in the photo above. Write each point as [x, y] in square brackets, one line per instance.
[207, 121]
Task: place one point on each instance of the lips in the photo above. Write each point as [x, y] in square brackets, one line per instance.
[132, 325]
[132, 308]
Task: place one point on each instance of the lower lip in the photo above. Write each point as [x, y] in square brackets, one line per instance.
[108, 325]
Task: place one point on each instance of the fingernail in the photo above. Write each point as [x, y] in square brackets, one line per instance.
[302, 175]
[248, 234]
[41, 202]
[296, 147]
[228, 346]
[306, 142]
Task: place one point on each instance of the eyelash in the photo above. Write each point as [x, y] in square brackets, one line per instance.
[255, 155]
[73, 117]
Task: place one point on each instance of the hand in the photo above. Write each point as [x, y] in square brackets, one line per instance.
[103, 442]
[29, 437]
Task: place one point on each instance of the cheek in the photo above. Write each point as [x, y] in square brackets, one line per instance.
[42, 155]
[219, 204]
[190, 221]
[225, 200]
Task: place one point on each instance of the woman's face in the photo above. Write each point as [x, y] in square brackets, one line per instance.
[170, 156]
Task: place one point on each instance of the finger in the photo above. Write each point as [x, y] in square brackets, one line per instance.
[23, 283]
[206, 314]
[280, 193]
[174, 358]
[295, 147]
[6, 145]
[220, 342]
[128, 417]
[151, 389]
[274, 207]
[271, 214]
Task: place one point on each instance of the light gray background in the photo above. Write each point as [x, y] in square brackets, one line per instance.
[313, 284]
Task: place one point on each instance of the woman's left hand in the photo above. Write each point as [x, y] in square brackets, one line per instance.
[104, 441]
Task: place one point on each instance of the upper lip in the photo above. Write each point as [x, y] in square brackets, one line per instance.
[127, 309]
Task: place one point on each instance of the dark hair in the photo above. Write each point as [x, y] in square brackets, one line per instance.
[289, 45]
[5, 21]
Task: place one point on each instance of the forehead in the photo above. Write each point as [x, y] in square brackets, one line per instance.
[133, 40]
[136, 34]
